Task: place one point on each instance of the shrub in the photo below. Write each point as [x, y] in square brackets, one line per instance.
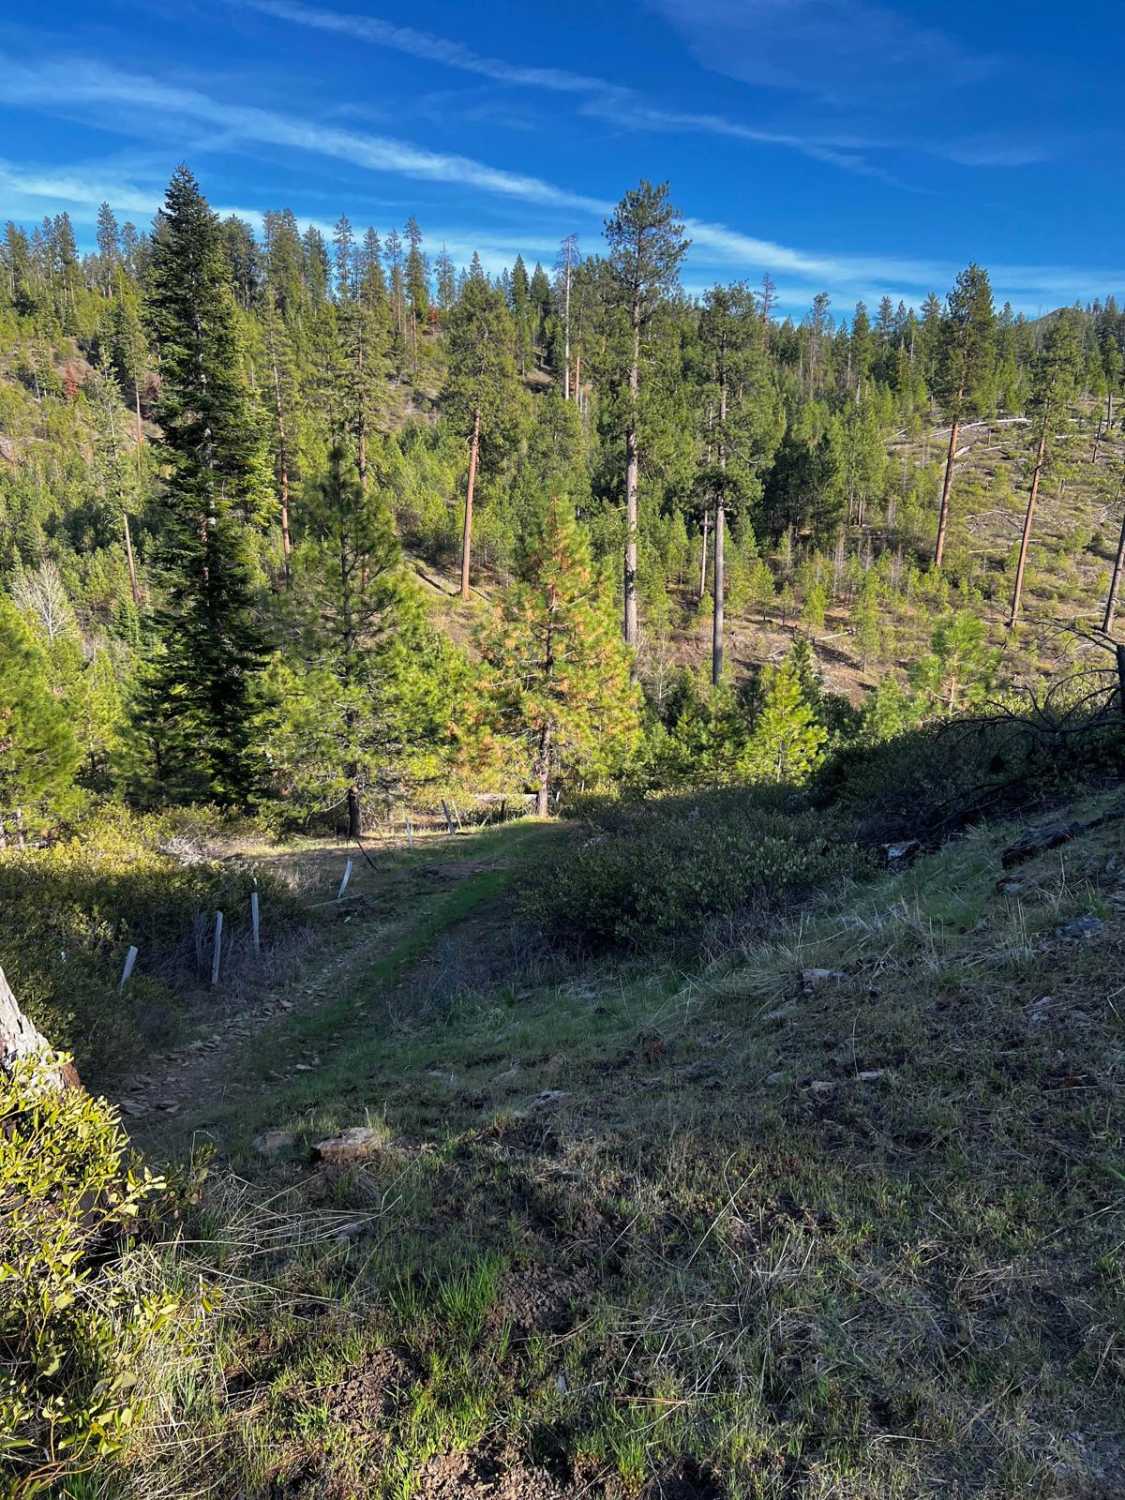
[931, 782]
[71, 911]
[659, 872]
[86, 1319]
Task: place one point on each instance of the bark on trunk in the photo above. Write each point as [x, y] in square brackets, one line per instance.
[1114, 582]
[132, 561]
[19, 1039]
[282, 463]
[946, 486]
[720, 548]
[703, 556]
[719, 585]
[355, 814]
[543, 789]
[1028, 520]
[467, 535]
[632, 476]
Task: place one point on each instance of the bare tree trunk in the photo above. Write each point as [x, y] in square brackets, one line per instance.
[282, 471]
[566, 331]
[720, 546]
[543, 769]
[355, 813]
[132, 561]
[703, 555]
[1111, 597]
[719, 585]
[467, 536]
[632, 477]
[946, 486]
[1028, 520]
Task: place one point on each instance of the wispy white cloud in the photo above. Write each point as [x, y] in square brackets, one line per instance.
[145, 105]
[424, 45]
[841, 50]
[65, 85]
[603, 99]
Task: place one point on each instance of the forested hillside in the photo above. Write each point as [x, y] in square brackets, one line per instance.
[714, 1140]
[316, 527]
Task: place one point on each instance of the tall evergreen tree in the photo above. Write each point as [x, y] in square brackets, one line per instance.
[744, 425]
[38, 751]
[560, 674]
[363, 698]
[966, 354]
[1054, 383]
[204, 684]
[481, 393]
[646, 246]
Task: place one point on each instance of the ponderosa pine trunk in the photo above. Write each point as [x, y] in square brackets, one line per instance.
[703, 554]
[719, 586]
[1028, 521]
[1103, 429]
[543, 770]
[282, 472]
[355, 811]
[131, 560]
[632, 479]
[467, 535]
[946, 486]
[1114, 583]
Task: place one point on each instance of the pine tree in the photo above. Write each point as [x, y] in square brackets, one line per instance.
[967, 352]
[344, 255]
[745, 423]
[109, 246]
[786, 743]
[417, 275]
[481, 395]
[1054, 386]
[445, 280]
[958, 670]
[560, 675]
[215, 482]
[363, 699]
[38, 752]
[646, 246]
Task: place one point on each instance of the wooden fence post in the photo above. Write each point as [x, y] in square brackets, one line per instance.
[217, 954]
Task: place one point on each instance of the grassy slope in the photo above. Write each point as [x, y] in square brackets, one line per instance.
[717, 1235]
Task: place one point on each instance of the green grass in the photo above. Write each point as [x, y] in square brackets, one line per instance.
[720, 1233]
[725, 1231]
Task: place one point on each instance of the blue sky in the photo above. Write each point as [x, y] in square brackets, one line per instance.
[848, 145]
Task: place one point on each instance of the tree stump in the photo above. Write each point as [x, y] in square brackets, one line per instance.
[19, 1039]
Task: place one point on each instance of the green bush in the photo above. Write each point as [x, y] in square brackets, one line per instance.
[87, 1321]
[930, 783]
[71, 911]
[659, 872]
